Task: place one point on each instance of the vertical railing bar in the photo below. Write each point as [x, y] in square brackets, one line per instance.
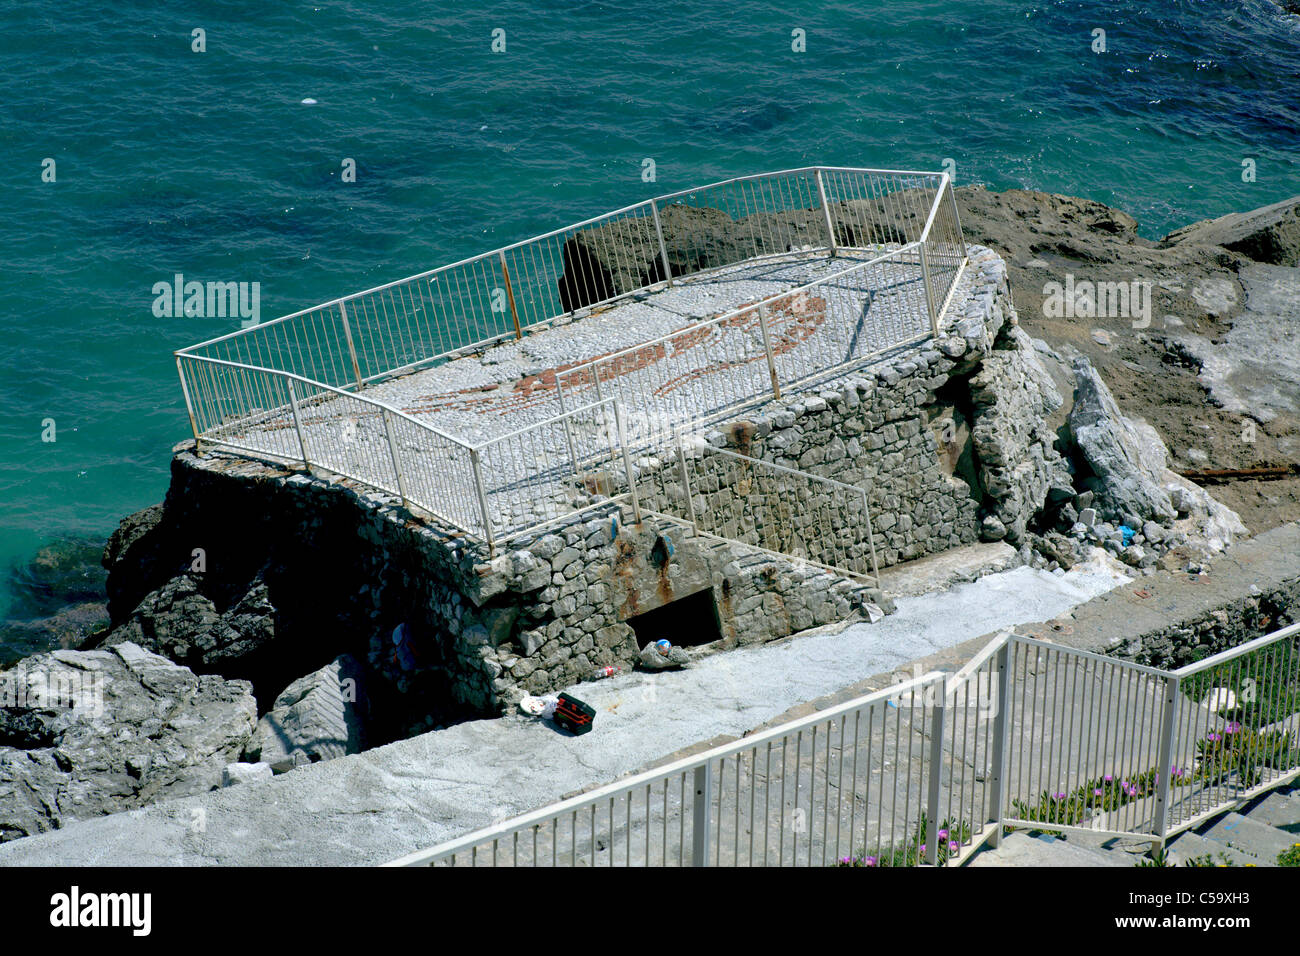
[663, 250]
[189, 407]
[1150, 735]
[397, 459]
[767, 349]
[839, 792]
[681, 820]
[488, 536]
[297, 424]
[1168, 718]
[830, 226]
[780, 847]
[880, 779]
[938, 719]
[510, 295]
[352, 349]
[812, 797]
[627, 463]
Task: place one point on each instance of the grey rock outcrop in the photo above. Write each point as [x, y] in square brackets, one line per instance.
[133, 557]
[237, 773]
[182, 623]
[317, 717]
[1127, 457]
[1131, 481]
[1014, 397]
[1270, 234]
[87, 733]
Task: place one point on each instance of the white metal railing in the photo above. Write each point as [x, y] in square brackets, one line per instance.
[278, 388]
[1028, 734]
[700, 373]
[790, 795]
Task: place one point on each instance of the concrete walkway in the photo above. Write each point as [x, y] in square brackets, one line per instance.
[385, 803]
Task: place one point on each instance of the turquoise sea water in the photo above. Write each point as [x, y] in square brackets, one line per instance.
[210, 165]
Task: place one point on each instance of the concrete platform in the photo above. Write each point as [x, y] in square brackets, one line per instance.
[376, 806]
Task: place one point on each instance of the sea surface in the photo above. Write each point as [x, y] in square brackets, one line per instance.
[210, 164]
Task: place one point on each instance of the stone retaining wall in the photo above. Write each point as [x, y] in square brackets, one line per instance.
[1235, 622]
[477, 634]
[948, 438]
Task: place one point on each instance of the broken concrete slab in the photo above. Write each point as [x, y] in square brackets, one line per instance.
[317, 716]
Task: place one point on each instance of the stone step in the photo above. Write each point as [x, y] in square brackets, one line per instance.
[1020, 849]
[1187, 845]
[1130, 849]
[1259, 840]
[1278, 809]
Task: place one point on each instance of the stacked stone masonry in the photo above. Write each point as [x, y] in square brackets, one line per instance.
[947, 438]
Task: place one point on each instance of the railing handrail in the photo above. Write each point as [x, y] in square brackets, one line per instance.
[1158, 831]
[355, 396]
[934, 209]
[544, 423]
[644, 203]
[1079, 652]
[325, 343]
[785, 469]
[1214, 660]
[670, 770]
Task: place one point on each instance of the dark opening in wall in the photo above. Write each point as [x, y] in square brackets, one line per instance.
[952, 420]
[687, 622]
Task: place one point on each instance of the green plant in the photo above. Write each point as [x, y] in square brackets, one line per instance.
[1105, 793]
[1237, 750]
[1157, 858]
[952, 836]
[1161, 858]
[1290, 856]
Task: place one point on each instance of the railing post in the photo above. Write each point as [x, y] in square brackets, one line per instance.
[297, 424]
[938, 718]
[1164, 769]
[482, 501]
[830, 226]
[510, 295]
[929, 292]
[352, 349]
[600, 400]
[397, 461]
[956, 221]
[700, 823]
[686, 483]
[568, 425]
[663, 250]
[189, 406]
[767, 347]
[627, 462]
[1001, 757]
